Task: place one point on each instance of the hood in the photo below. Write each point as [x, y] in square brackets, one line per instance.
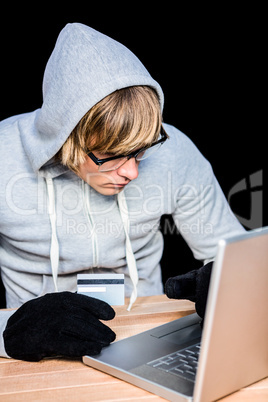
[84, 67]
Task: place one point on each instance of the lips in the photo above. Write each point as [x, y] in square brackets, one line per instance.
[119, 185]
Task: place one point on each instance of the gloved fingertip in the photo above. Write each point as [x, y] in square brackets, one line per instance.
[99, 308]
[111, 338]
[94, 351]
[182, 286]
[170, 288]
[107, 313]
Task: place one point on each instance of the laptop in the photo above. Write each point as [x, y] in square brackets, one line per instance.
[181, 362]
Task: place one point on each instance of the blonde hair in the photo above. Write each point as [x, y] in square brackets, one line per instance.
[127, 119]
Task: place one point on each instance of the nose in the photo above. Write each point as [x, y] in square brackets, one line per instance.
[129, 169]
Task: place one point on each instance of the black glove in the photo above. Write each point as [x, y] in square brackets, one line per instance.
[193, 286]
[63, 323]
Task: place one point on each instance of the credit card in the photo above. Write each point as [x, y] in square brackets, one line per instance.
[107, 287]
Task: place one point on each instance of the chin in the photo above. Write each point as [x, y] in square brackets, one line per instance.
[109, 191]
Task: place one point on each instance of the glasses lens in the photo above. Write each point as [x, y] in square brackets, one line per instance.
[112, 165]
[143, 154]
[147, 152]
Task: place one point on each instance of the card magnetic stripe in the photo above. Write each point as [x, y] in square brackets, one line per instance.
[100, 282]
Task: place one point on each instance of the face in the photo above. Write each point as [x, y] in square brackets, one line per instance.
[108, 183]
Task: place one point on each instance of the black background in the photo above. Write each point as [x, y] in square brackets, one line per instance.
[209, 61]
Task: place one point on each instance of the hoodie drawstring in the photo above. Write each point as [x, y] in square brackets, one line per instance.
[93, 235]
[54, 246]
[131, 261]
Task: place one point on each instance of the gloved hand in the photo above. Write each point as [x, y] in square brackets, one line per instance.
[193, 286]
[62, 323]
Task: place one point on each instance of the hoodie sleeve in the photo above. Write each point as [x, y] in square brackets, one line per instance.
[4, 316]
[202, 213]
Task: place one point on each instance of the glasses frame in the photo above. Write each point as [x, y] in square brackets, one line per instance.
[134, 154]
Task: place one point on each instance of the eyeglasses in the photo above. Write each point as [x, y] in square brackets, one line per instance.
[115, 162]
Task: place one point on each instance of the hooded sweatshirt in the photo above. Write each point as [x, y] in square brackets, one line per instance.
[53, 225]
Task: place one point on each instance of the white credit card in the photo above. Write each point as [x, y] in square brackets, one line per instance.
[107, 287]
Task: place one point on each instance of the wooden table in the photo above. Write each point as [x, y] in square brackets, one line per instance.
[70, 380]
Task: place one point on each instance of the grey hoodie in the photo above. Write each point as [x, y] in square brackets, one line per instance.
[54, 226]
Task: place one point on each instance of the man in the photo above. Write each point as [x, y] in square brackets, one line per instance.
[85, 181]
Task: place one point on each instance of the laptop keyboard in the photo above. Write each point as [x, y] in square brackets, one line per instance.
[182, 363]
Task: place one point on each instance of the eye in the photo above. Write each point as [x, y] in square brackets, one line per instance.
[103, 155]
[141, 154]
